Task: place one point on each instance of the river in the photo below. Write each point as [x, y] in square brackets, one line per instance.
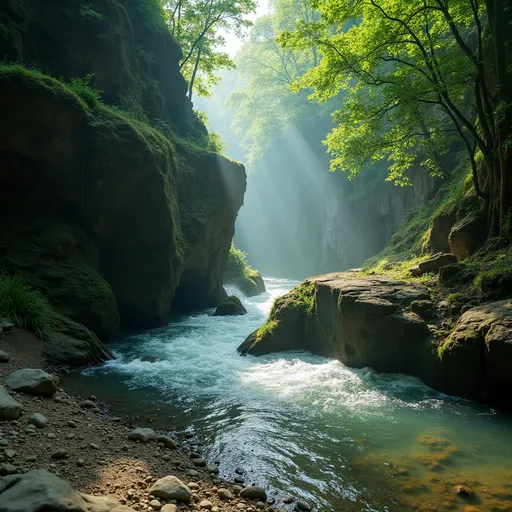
[342, 439]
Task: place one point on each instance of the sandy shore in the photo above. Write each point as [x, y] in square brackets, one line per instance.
[96, 455]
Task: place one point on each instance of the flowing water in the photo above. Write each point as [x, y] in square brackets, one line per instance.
[340, 438]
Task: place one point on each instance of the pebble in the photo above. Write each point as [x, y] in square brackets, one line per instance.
[61, 453]
[237, 489]
[224, 494]
[212, 468]
[4, 442]
[31, 458]
[239, 480]
[192, 472]
[38, 420]
[253, 493]
[207, 504]
[155, 504]
[87, 404]
[4, 357]
[9, 454]
[80, 462]
[260, 504]
[72, 424]
[7, 469]
[51, 435]
[169, 508]
[302, 505]
[94, 446]
[193, 486]
[200, 463]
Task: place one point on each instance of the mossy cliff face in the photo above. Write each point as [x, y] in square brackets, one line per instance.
[368, 321]
[117, 222]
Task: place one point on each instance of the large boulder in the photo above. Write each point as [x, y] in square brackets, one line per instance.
[40, 490]
[360, 321]
[468, 235]
[436, 262]
[476, 359]
[33, 381]
[10, 409]
[440, 230]
[231, 306]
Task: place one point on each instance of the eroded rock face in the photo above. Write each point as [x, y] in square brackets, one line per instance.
[372, 322]
[477, 357]
[362, 322]
[125, 221]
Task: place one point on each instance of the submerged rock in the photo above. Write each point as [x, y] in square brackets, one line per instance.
[231, 306]
[253, 493]
[33, 381]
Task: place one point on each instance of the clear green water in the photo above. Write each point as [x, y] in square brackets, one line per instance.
[342, 439]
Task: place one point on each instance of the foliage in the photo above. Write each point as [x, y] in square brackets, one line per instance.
[262, 104]
[304, 298]
[393, 63]
[454, 298]
[25, 307]
[238, 265]
[498, 278]
[88, 13]
[266, 329]
[81, 87]
[198, 27]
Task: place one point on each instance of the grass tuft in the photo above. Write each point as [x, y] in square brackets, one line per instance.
[25, 307]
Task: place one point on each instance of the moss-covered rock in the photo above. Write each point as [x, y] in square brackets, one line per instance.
[240, 274]
[231, 306]
[128, 197]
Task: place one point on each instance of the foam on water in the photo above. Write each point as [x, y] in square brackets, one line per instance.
[296, 422]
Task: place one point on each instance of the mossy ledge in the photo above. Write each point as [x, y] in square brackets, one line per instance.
[240, 274]
[100, 209]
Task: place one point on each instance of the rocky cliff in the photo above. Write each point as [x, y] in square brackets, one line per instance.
[295, 206]
[111, 202]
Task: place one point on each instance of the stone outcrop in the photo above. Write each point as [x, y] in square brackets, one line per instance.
[467, 235]
[477, 356]
[116, 222]
[372, 321]
[231, 306]
[39, 490]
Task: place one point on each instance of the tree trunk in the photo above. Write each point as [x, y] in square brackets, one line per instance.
[194, 72]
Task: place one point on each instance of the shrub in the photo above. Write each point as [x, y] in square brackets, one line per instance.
[81, 87]
[25, 307]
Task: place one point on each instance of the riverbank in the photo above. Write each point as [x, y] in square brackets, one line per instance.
[83, 444]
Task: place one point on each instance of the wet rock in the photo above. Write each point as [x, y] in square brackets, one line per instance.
[237, 489]
[142, 434]
[200, 462]
[212, 468]
[303, 506]
[461, 490]
[260, 505]
[170, 488]
[38, 420]
[167, 441]
[10, 409]
[87, 404]
[33, 381]
[231, 306]
[239, 480]
[254, 493]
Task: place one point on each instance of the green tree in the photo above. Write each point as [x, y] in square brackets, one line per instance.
[197, 26]
[263, 106]
[416, 73]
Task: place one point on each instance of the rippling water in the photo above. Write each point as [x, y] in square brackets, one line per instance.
[340, 438]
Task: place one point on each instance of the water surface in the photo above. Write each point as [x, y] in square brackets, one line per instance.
[342, 439]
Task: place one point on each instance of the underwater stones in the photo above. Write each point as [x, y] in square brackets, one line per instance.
[33, 381]
[462, 490]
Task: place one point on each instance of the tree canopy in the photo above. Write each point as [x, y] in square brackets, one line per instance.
[198, 27]
[414, 75]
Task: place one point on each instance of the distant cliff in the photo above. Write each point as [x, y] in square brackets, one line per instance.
[111, 201]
